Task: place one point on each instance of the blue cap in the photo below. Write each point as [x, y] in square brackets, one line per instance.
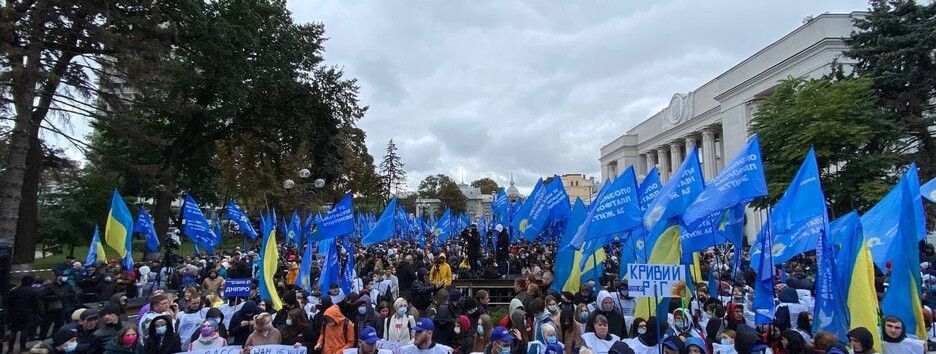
[368, 335]
[424, 324]
[502, 334]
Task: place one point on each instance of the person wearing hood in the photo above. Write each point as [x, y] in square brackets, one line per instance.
[696, 345]
[337, 332]
[127, 341]
[600, 339]
[793, 342]
[735, 315]
[64, 341]
[364, 317]
[208, 336]
[862, 342]
[162, 338]
[109, 326]
[217, 316]
[540, 317]
[616, 323]
[649, 341]
[787, 313]
[895, 338]
[463, 342]
[684, 325]
[748, 342]
[441, 272]
[621, 348]
[242, 322]
[673, 345]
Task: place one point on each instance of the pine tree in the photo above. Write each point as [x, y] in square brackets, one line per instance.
[391, 170]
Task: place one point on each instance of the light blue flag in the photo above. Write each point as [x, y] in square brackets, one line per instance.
[93, 249]
[629, 251]
[500, 207]
[308, 226]
[881, 224]
[615, 211]
[702, 235]
[731, 227]
[195, 225]
[677, 194]
[295, 229]
[800, 214]
[347, 275]
[305, 268]
[331, 268]
[532, 217]
[649, 189]
[928, 190]
[443, 227]
[385, 225]
[144, 225]
[739, 182]
[557, 200]
[339, 221]
[216, 230]
[763, 304]
[846, 236]
[243, 221]
[902, 298]
[831, 310]
[566, 256]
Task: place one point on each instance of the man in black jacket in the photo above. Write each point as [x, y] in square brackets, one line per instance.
[503, 248]
[406, 275]
[58, 299]
[474, 249]
[240, 269]
[25, 306]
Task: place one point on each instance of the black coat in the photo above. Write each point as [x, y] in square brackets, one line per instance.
[240, 270]
[503, 245]
[24, 303]
[474, 245]
[406, 274]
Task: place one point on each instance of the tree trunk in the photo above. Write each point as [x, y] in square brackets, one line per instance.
[24, 251]
[11, 192]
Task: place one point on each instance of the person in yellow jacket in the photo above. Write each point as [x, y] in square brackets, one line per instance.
[293, 274]
[441, 272]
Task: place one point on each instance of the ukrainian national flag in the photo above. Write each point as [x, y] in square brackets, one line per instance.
[96, 251]
[902, 298]
[117, 230]
[269, 256]
[856, 274]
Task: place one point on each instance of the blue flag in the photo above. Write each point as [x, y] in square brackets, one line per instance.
[800, 214]
[902, 298]
[144, 225]
[566, 256]
[881, 225]
[846, 236]
[443, 227]
[96, 250]
[739, 182]
[331, 268]
[831, 311]
[928, 190]
[384, 228]
[763, 286]
[216, 230]
[649, 188]
[304, 280]
[557, 200]
[532, 216]
[500, 207]
[615, 211]
[671, 201]
[295, 229]
[243, 221]
[339, 221]
[195, 225]
[347, 274]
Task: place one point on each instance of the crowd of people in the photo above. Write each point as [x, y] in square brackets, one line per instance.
[403, 294]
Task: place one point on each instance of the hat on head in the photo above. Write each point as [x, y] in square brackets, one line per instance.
[499, 227]
[76, 315]
[89, 313]
[63, 335]
[502, 334]
[111, 309]
[424, 324]
[368, 335]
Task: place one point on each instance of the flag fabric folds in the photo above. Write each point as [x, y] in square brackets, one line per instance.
[831, 310]
[928, 190]
[881, 224]
[339, 221]
[385, 226]
[557, 200]
[144, 225]
[671, 201]
[331, 268]
[235, 214]
[855, 271]
[902, 298]
[294, 231]
[616, 210]
[533, 215]
[649, 189]
[739, 182]
[565, 256]
[443, 227]
[347, 274]
[95, 250]
[119, 227]
[195, 225]
[763, 286]
[216, 230]
[269, 258]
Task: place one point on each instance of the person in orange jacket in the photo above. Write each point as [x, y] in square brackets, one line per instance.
[292, 275]
[337, 332]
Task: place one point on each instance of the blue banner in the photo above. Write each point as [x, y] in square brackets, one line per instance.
[295, 229]
[649, 189]
[677, 194]
[533, 215]
[615, 211]
[763, 286]
[216, 230]
[902, 297]
[831, 311]
[500, 207]
[243, 221]
[195, 225]
[882, 222]
[385, 225]
[237, 287]
[339, 221]
[144, 225]
[443, 227]
[739, 182]
[557, 200]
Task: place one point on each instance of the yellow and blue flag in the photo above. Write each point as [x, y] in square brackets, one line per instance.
[855, 273]
[269, 258]
[902, 298]
[617, 210]
[119, 227]
[95, 250]
[739, 182]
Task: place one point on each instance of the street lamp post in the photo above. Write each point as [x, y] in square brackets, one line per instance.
[304, 190]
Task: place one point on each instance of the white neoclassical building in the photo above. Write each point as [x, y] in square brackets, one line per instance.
[715, 116]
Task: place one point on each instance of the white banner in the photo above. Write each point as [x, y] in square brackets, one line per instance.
[231, 349]
[654, 280]
[391, 345]
[277, 349]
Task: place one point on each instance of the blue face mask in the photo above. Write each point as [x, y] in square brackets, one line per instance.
[362, 310]
[551, 340]
[71, 346]
[161, 330]
[480, 329]
[401, 311]
[505, 350]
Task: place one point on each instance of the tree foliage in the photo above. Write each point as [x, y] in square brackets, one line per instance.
[894, 47]
[856, 144]
[486, 185]
[392, 175]
[452, 197]
[430, 186]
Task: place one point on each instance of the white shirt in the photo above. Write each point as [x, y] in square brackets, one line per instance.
[908, 345]
[189, 323]
[599, 346]
[627, 307]
[355, 351]
[435, 349]
[640, 348]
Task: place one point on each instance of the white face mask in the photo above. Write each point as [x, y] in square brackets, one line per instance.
[457, 330]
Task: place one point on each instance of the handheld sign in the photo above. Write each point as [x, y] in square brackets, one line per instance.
[654, 280]
[231, 349]
[390, 345]
[237, 288]
[277, 349]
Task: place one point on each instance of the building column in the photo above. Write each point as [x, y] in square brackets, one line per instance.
[640, 165]
[690, 144]
[664, 162]
[675, 155]
[708, 152]
[651, 160]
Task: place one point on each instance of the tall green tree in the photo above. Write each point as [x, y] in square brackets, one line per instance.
[452, 197]
[392, 175]
[486, 185]
[857, 145]
[894, 48]
[430, 186]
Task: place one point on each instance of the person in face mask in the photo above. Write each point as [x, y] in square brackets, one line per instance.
[616, 322]
[502, 342]
[263, 333]
[463, 341]
[125, 342]
[297, 331]
[208, 337]
[482, 333]
[684, 325]
[64, 341]
[637, 328]
[649, 341]
[337, 333]
[162, 337]
[399, 326]
[624, 303]
[364, 315]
